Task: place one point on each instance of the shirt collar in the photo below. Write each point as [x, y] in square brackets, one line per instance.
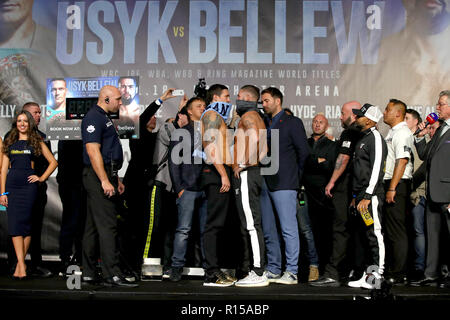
[399, 125]
[448, 122]
[277, 117]
[100, 109]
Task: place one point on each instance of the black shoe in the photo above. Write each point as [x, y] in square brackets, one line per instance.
[93, 281]
[120, 282]
[445, 284]
[176, 274]
[397, 281]
[424, 282]
[41, 272]
[63, 268]
[131, 276]
[416, 275]
[325, 282]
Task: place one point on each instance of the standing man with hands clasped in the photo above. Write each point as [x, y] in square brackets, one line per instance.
[436, 154]
[397, 185]
[102, 157]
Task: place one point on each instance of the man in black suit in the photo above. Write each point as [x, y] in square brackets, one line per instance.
[436, 154]
[281, 188]
[318, 170]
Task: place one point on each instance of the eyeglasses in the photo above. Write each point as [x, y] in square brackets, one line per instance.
[441, 104]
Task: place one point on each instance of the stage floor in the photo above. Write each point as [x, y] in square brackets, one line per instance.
[193, 289]
[189, 299]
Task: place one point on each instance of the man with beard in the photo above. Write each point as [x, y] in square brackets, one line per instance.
[340, 185]
[26, 48]
[247, 180]
[368, 197]
[129, 111]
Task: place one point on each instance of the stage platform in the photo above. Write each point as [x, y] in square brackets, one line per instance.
[55, 288]
[189, 297]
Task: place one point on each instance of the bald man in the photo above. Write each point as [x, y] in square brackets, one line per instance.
[318, 170]
[339, 190]
[102, 157]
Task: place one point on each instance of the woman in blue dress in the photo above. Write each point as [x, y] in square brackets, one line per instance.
[18, 182]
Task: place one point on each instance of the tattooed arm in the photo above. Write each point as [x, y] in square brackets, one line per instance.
[213, 139]
[339, 168]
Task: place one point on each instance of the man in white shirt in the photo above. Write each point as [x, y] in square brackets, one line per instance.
[397, 183]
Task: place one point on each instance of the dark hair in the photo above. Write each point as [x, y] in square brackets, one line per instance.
[122, 78]
[274, 92]
[30, 104]
[215, 89]
[34, 139]
[401, 106]
[414, 114]
[59, 79]
[253, 90]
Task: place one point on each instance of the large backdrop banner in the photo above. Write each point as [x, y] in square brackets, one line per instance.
[319, 53]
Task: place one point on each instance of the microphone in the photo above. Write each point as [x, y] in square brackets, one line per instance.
[431, 118]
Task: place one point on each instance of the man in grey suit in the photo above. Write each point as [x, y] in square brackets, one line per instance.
[436, 154]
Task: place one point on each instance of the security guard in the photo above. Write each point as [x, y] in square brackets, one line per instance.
[102, 157]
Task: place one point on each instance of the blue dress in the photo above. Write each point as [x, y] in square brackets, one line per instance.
[22, 194]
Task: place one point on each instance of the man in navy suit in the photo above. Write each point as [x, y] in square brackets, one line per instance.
[281, 188]
[436, 154]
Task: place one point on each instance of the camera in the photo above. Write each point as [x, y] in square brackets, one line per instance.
[200, 88]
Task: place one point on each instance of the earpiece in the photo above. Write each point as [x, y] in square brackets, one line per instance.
[107, 100]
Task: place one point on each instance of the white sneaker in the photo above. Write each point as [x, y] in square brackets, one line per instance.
[253, 280]
[287, 278]
[363, 283]
[271, 277]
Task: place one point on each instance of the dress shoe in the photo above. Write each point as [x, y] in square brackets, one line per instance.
[445, 284]
[424, 282]
[117, 281]
[397, 281]
[91, 281]
[41, 272]
[325, 282]
[416, 275]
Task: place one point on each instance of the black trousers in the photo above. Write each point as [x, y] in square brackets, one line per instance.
[37, 218]
[137, 203]
[100, 233]
[321, 214]
[73, 199]
[247, 191]
[437, 217]
[342, 229]
[395, 230]
[160, 222]
[218, 204]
